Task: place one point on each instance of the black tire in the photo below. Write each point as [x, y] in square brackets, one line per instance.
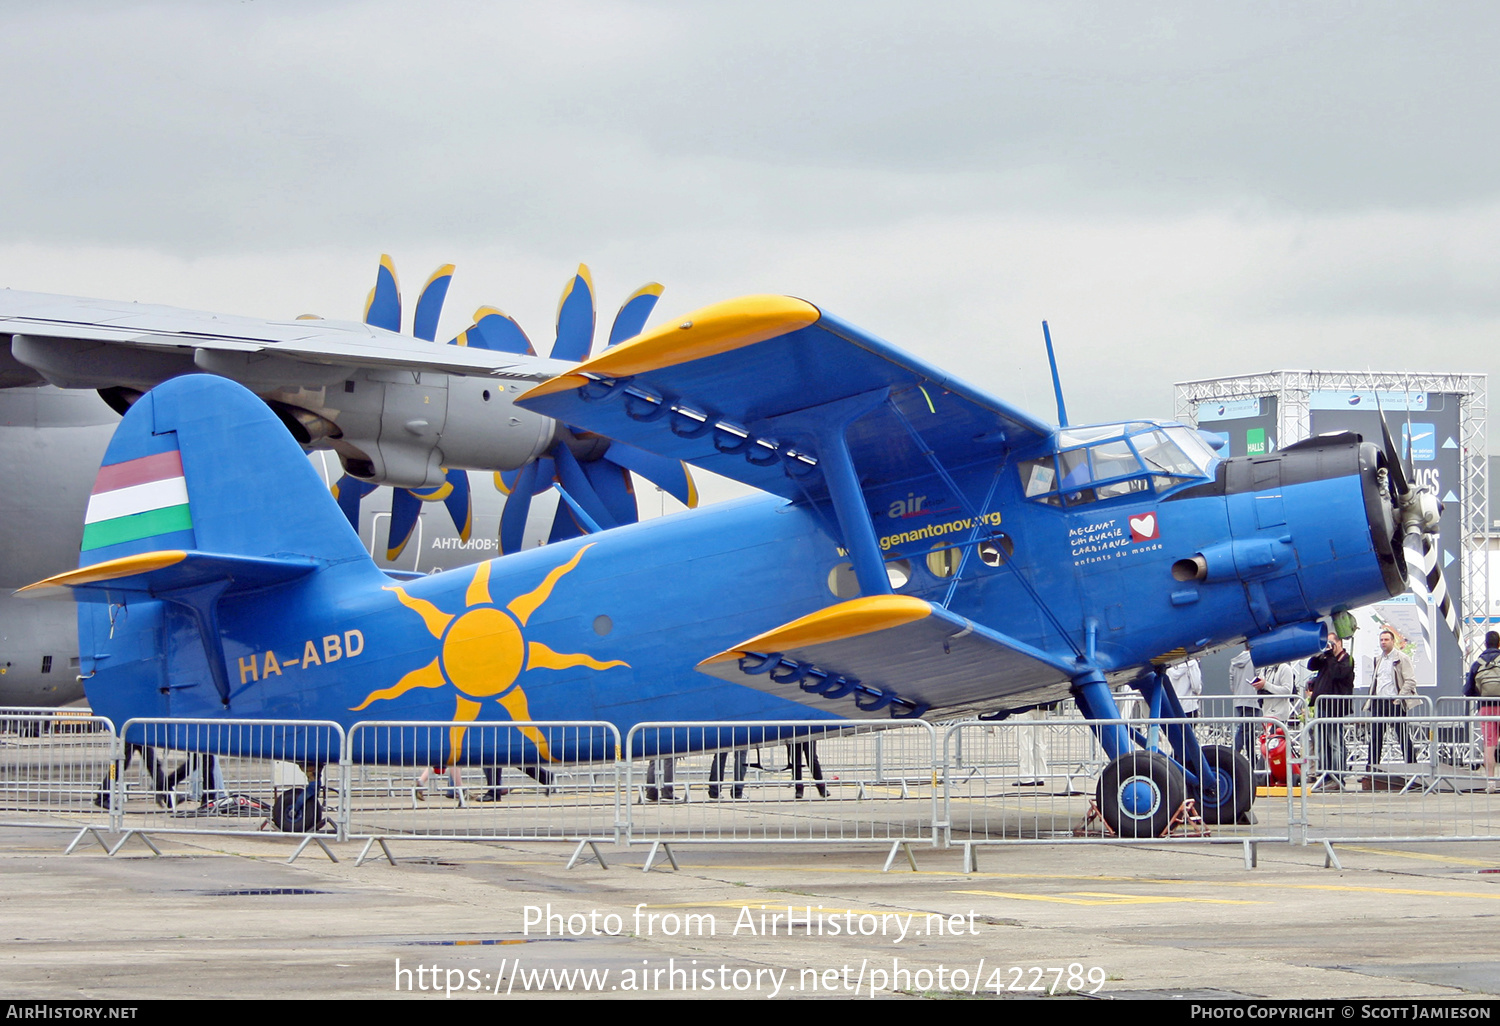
[297, 810]
[1139, 793]
[1236, 791]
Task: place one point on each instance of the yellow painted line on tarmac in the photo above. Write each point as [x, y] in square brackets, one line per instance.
[1350, 888]
[1108, 898]
[1486, 895]
[1424, 856]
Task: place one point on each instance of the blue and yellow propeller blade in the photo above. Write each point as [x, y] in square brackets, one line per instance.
[405, 508]
[517, 508]
[670, 475]
[497, 331]
[383, 305]
[612, 484]
[347, 492]
[633, 313]
[430, 303]
[575, 318]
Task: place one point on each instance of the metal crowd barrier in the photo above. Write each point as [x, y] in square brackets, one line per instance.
[1416, 789]
[1046, 782]
[55, 768]
[210, 776]
[1463, 740]
[1032, 779]
[513, 782]
[796, 781]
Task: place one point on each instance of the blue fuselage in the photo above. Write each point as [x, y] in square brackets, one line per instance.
[618, 636]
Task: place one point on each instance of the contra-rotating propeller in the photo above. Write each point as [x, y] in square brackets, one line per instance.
[590, 472]
[1418, 513]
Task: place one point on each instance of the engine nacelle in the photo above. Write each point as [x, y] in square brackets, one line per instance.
[405, 429]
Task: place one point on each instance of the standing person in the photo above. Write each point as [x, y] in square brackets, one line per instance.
[1186, 679]
[1246, 703]
[1275, 687]
[737, 762]
[1392, 682]
[454, 773]
[1484, 684]
[1331, 695]
[806, 750]
[1033, 748]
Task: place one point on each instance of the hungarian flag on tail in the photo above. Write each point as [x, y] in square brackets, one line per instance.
[137, 499]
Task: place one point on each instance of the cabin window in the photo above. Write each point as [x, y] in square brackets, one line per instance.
[997, 550]
[845, 585]
[1038, 476]
[842, 582]
[943, 562]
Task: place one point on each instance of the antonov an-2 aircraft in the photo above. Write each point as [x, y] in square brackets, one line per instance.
[921, 549]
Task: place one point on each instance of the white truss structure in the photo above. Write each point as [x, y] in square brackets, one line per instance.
[1293, 390]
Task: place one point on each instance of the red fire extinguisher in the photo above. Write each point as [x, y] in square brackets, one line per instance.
[1277, 753]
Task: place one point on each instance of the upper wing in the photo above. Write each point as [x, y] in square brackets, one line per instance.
[89, 343]
[739, 388]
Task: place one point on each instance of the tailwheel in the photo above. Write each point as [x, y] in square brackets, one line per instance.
[1139, 794]
[1226, 785]
[297, 809]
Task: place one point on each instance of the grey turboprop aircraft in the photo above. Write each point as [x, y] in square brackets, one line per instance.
[394, 409]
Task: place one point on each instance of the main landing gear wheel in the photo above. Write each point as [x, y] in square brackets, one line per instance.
[297, 809]
[1235, 789]
[1139, 793]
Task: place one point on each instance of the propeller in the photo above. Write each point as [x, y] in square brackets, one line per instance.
[591, 473]
[383, 310]
[1418, 514]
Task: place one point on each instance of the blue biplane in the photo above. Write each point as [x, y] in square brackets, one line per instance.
[921, 549]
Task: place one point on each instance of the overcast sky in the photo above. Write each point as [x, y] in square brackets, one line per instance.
[1182, 190]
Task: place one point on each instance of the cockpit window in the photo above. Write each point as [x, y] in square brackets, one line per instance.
[1159, 454]
[1110, 460]
[1194, 446]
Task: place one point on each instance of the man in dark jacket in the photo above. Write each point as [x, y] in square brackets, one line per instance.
[1330, 693]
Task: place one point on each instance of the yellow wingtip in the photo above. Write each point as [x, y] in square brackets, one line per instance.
[720, 328]
[835, 623]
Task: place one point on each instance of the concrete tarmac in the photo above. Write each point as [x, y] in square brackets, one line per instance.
[224, 917]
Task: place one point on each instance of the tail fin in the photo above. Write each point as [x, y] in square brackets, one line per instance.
[166, 482]
[202, 494]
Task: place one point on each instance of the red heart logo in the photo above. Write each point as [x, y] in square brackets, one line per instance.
[1143, 528]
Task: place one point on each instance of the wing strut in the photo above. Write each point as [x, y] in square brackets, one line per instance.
[827, 424]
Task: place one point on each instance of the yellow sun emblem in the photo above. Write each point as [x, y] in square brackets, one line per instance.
[484, 651]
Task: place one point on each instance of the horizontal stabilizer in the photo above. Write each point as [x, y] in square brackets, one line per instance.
[159, 573]
[891, 656]
[738, 388]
